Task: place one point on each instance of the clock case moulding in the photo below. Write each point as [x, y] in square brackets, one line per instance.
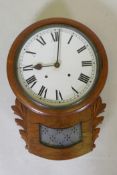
[32, 115]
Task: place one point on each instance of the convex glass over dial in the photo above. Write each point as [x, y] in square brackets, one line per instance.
[57, 65]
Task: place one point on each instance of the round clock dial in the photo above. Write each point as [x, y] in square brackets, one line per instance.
[57, 65]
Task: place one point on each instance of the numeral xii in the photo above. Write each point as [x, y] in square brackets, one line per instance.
[55, 36]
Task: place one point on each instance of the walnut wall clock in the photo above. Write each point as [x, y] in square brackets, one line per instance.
[57, 68]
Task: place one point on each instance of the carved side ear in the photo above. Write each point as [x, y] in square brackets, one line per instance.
[20, 110]
[97, 108]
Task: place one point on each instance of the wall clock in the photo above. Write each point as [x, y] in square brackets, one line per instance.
[57, 68]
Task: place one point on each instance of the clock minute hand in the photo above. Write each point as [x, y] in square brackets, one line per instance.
[57, 64]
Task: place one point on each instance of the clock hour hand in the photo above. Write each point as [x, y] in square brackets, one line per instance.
[39, 66]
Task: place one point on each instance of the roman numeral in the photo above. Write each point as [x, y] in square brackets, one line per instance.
[70, 39]
[30, 52]
[43, 91]
[81, 49]
[29, 67]
[74, 90]
[31, 80]
[55, 36]
[58, 95]
[84, 78]
[41, 41]
[86, 63]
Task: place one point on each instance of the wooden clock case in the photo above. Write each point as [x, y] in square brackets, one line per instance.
[32, 114]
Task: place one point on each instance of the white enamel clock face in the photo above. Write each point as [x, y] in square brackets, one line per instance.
[57, 65]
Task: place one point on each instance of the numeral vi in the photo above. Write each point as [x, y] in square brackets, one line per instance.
[58, 95]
